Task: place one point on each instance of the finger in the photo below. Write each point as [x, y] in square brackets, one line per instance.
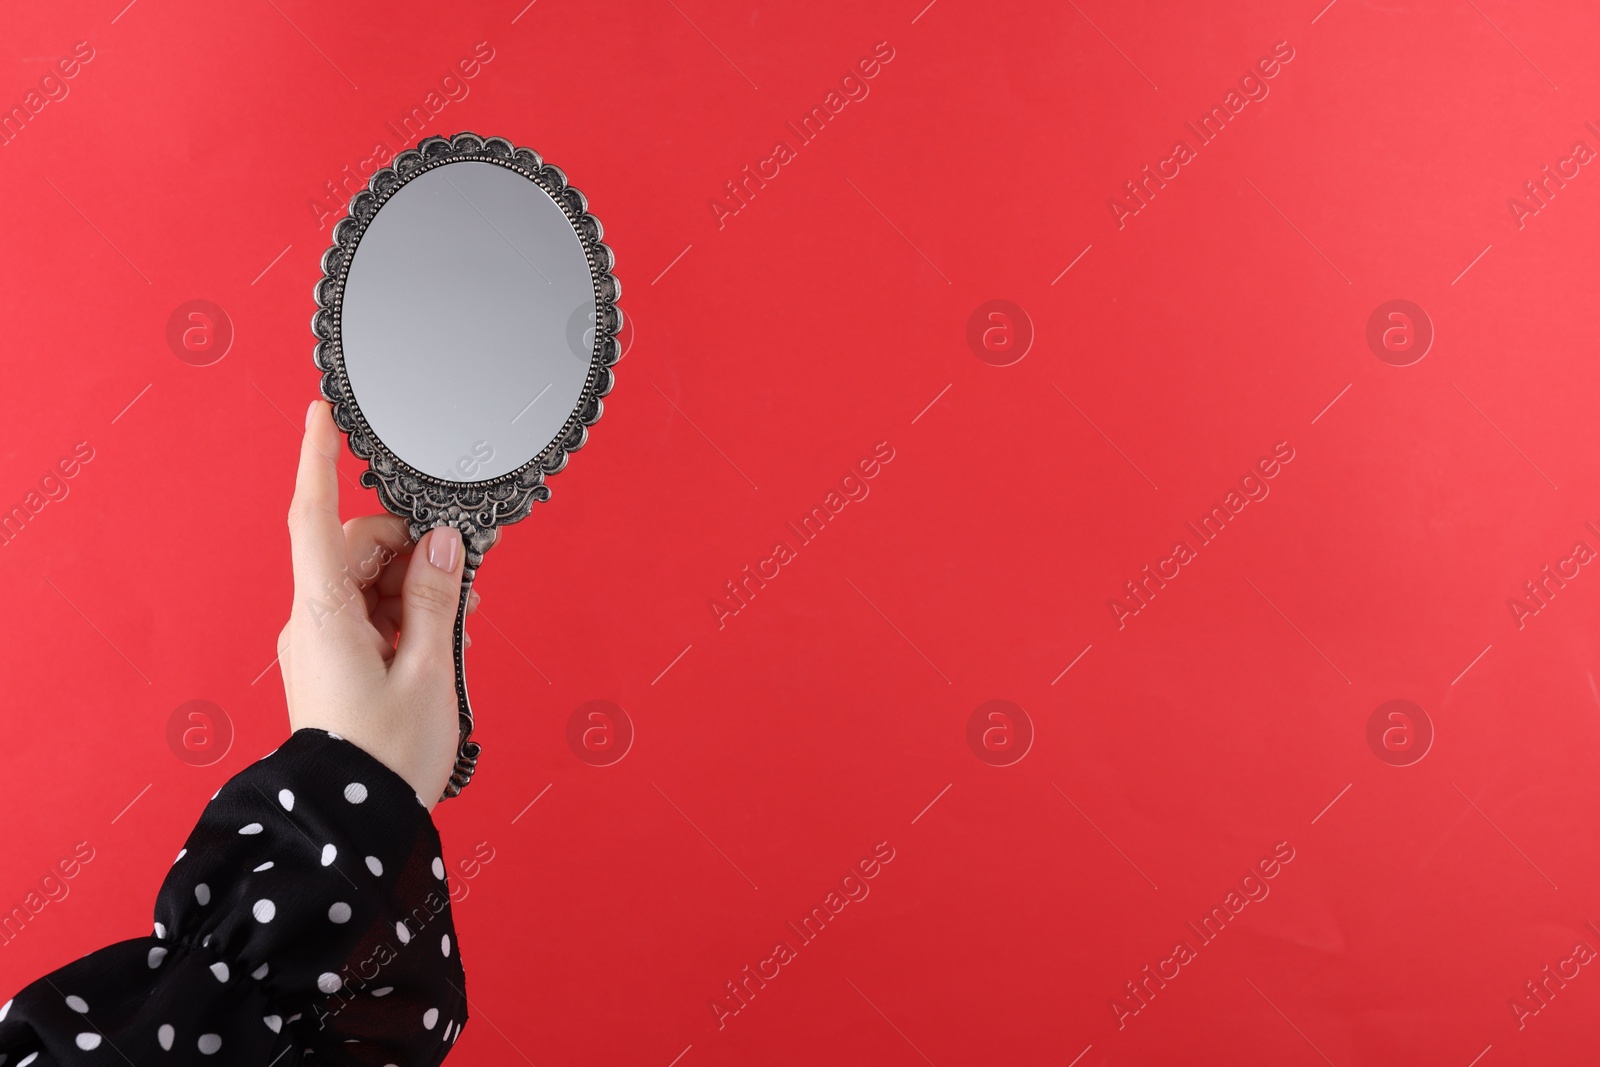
[393, 578]
[394, 573]
[389, 607]
[430, 596]
[386, 620]
[315, 539]
[389, 611]
[372, 542]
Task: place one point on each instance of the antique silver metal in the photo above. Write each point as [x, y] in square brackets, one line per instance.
[477, 508]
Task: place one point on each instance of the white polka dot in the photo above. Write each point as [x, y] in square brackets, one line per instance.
[155, 957]
[259, 973]
[286, 798]
[4, 1010]
[267, 866]
[375, 865]
[274, 1022]
[457, 1033]
[355, 792]
[335, 736]
[161, 930]
[430, 1018]
[165, 1035]
[250, 828]
[202, 893]
[263, 910]
[329, 982]
[438, 868]
[444, 944]
[446, 1035]
[220, 970]
[209, 1043]
[328, 854]
[385, 991]
[78, 1004]
[182, 852]
[88, 1042]
[402, 933]
[339, 913]
[29, 1058]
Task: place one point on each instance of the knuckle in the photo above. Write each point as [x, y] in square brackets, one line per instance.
[433, 597]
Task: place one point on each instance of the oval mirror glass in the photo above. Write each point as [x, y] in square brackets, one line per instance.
[468, 321]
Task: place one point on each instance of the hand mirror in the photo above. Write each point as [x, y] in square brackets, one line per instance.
[466, 328]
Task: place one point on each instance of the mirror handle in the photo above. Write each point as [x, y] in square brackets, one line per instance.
[467, 755]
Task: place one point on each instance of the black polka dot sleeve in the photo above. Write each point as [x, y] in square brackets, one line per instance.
[306, 921]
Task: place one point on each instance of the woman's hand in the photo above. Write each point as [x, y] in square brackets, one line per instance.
[367, 650]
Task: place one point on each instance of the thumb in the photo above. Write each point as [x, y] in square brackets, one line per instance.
[429, 599]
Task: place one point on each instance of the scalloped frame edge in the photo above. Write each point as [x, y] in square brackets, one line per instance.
[425, 501]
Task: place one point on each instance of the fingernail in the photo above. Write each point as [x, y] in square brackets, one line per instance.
[472, 599]
[466, 639]
[309, 412]
[443, 547]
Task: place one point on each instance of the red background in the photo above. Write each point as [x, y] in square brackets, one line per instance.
[821, 319]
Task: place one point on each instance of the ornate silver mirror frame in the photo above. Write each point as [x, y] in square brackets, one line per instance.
[425, 501]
